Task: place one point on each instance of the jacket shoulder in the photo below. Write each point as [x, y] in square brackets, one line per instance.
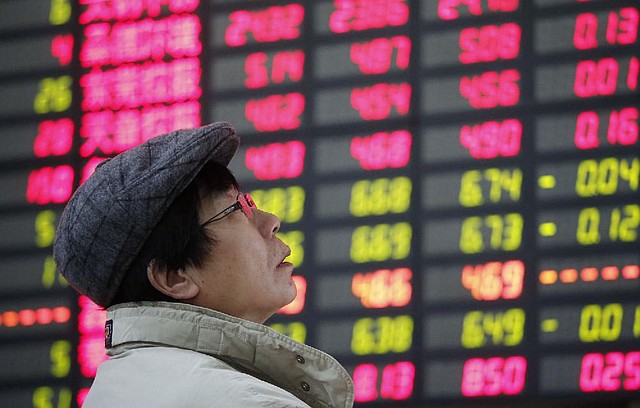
[170, 377]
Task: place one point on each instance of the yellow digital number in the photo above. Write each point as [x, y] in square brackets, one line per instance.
[60, 12]
[295, 330]
[600, 323]
[49, 273]
[380, 196]
[54, 95]
[45, 228]
[295, 240]
[500, 180]
[588, 231]
[470, 189]
[602, 177]
[636, 323]
[286, 203]
[381, 242]
[501, 328]
[505, 233]
[42, 397]
[624, 223]
[471, 240]
[382, 335]
[60, 354]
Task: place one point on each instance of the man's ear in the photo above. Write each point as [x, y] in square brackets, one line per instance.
[174, 283]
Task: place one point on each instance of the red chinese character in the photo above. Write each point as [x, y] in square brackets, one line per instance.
[156, 120]
[155, 83]
[95, 89]
[97, 128]
[97, 10]
[126, 132]
[96, 50]
[183, 32]
[125, 43]
[186, 115]
[126, 87]
[185, 79]
[127, 10]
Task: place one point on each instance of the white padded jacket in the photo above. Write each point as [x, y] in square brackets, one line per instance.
[175, 355]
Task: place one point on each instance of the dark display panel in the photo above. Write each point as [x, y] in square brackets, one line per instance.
[457, 179]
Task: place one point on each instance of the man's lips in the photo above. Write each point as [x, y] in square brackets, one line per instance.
[283, 262]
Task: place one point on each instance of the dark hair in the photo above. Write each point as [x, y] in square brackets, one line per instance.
[177, 240]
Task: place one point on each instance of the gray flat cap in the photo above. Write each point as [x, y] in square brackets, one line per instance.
[109, 217]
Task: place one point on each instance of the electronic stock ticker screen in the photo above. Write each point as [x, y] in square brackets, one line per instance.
[457, 179]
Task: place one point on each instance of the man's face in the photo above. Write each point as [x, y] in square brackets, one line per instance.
[245, 275]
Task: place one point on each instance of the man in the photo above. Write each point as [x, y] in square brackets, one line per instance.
[190, 270]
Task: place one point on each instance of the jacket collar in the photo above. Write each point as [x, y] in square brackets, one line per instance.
[310, 374]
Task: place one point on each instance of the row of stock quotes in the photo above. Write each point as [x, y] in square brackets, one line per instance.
[457, 179]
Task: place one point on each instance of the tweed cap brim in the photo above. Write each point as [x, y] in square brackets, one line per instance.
[110, 216]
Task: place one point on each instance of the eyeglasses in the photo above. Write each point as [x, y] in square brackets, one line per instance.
[244, 202]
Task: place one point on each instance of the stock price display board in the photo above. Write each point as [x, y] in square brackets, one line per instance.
[457, 179]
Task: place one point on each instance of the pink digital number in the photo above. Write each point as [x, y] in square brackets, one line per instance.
[489, 43]
[382, 150]
[284, 64]
[55, 138]
[491, 89]
[396, 382]
[604, 372]
[276, 160]
[365, 379]
[276, 112]
[595, 78]
[272, 24]
[376, 56]
[358, 15]
[448, 9]
[493, 376]
[621, 130]
[50, 185]
[376, 102]
[491, 139]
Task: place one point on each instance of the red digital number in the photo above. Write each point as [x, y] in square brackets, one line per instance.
[276, 112]
[494, 376]
[600, 77]
[382, 150]
[448, 9]
[376, 56]
[491, 139]
[358, 15]
[376, 102]
[283, 64]
[609, 372]
[596, 78]
[276, 160]
[62, 48]
[489, 43]
[272, 24]
[396, 382]
[55, 138]
[622, 28]
[50, 185]
[491, 89]
[621, 130]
